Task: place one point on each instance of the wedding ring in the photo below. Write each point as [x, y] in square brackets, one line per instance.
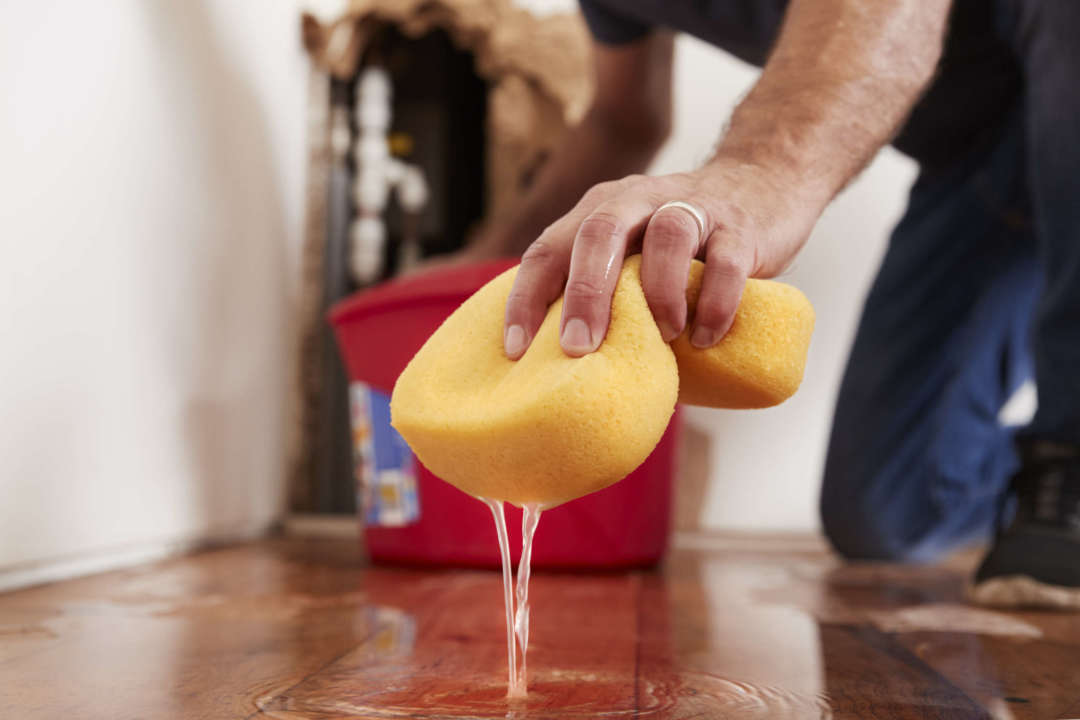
[699, 217]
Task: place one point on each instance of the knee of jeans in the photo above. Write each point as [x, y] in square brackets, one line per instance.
[860, 529]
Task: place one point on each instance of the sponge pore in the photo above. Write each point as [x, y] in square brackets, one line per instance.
[549, 428]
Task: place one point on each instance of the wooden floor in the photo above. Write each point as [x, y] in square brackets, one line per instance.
[731, 628]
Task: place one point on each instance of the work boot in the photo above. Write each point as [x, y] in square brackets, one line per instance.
[1035, 558]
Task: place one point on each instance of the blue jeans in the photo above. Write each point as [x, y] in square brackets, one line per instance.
[979, 290]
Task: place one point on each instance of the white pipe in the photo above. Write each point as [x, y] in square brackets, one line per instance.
[377, 173]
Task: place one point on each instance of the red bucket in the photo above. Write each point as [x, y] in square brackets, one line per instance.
[626, 525]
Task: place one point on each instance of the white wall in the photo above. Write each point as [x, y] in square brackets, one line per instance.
[765, 465]
[151, 175]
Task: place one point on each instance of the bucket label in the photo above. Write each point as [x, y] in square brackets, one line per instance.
[382, 462]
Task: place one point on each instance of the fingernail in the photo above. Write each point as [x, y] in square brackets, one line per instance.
[703, 337]
[514, 341]
[667, 332]
[576, 337]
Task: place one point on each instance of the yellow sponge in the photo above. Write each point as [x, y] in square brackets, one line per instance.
[759, 362]
[549, 428]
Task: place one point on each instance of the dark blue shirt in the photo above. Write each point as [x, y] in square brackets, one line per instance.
[978, 81]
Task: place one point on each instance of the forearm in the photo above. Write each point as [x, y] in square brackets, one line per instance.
[840, 82]
[842, 78]
[597, 149]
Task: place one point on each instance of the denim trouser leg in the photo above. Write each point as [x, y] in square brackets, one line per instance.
[979, 289]
[1046, 36]
[917, 458]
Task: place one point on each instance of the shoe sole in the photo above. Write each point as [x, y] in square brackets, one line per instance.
[1016, 591]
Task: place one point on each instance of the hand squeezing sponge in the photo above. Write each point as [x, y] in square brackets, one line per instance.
[549, 428]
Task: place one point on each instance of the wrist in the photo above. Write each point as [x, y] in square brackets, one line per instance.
[783, 176]
[768, 208]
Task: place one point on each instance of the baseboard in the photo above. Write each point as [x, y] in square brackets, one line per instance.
[46, 571]
[322, 525]
[761, 541]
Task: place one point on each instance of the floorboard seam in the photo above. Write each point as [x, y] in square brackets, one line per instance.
[313, 673]
[887, 644]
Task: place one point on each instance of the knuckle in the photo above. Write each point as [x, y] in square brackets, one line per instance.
[725, 266]
[716, 321]
[584, 289]
[550, 230]
[539, 252]
[716, 307]
[666, 307]
[734, 218]
[600, 191]
[714, 310]
[521, 310]
[518, 297]
[672, 229]
[598, 227]
[708, 206]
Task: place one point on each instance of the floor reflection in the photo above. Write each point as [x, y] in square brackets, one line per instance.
[728, 652]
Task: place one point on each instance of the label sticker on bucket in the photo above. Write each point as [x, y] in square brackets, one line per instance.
[382, 462]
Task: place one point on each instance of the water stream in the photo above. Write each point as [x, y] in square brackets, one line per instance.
[517, 621]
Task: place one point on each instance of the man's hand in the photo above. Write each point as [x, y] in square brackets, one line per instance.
[753, 227]
[843, 76]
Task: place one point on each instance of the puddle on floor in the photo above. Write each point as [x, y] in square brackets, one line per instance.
[570, 694]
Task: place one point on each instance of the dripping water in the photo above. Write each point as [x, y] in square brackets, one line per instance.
[529, 519]
[517, 622]
[508, 600]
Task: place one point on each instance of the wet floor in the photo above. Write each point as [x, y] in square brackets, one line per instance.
[731, 627]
